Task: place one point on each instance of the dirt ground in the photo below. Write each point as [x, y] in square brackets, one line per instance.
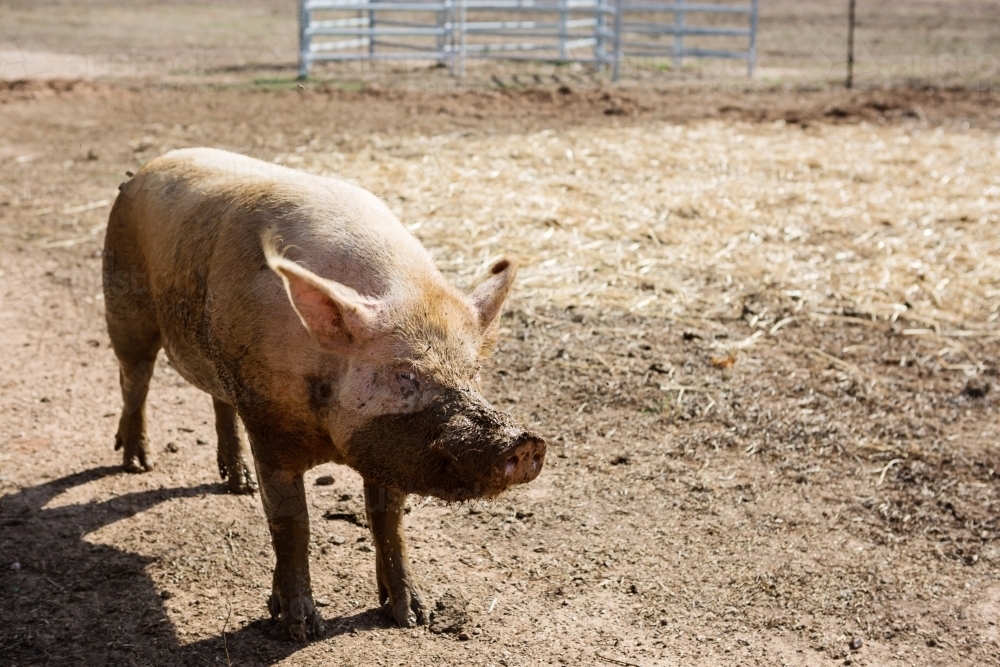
[834, 489]
[765, 468]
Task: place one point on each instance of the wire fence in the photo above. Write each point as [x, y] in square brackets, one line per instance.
[601, 32]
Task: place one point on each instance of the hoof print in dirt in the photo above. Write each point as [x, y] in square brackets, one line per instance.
[977, 387]
[451, 613]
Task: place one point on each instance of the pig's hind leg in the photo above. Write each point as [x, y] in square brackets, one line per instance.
[396, 584]
[232, 448]
[136, 351]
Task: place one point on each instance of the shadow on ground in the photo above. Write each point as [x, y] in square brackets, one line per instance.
[69, 602]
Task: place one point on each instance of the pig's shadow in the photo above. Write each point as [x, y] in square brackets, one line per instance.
[68, 601]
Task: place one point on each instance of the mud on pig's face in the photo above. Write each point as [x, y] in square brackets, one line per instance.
[457, 447]
[404, 406]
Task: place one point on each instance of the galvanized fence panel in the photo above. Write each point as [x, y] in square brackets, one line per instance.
[332, 30]
[601, 32]
[640, 32]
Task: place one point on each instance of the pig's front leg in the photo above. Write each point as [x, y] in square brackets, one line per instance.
[392, 566]
[284, 496]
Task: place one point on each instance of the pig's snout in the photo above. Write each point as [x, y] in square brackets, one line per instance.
[524, 462]
[457, 449]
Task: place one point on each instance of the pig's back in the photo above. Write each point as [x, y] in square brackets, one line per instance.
[336, 229]
[190, 222]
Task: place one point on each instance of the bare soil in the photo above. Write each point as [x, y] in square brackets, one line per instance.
[828, 495]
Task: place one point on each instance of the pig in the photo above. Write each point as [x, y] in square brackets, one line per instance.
[324, 332]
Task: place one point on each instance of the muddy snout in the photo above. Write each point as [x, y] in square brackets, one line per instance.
[524, 461]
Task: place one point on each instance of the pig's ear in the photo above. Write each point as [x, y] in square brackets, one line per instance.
[339, 319]
[490, 294]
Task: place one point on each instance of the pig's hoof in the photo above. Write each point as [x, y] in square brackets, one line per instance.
[303, 622]
[410, 611]
[241, 484]
[137, 464]
[136, 455]
[239, 481]
[246, 487]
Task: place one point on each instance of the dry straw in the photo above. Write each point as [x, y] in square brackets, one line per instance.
[687, 221]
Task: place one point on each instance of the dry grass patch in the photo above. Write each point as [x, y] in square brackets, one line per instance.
[883, 222]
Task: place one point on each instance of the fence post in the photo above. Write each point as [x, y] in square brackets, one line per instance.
[463, 16]
[562, 29]
[371, 32]
[304, 41]
[599, 48]
[678, 35]
[442, 19]
[617, 40]
[449, 36]
[752, 50]
[850, 44]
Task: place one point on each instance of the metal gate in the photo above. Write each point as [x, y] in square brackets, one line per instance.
[602, 32]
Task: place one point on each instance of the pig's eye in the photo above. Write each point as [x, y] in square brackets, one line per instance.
[408, 384]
